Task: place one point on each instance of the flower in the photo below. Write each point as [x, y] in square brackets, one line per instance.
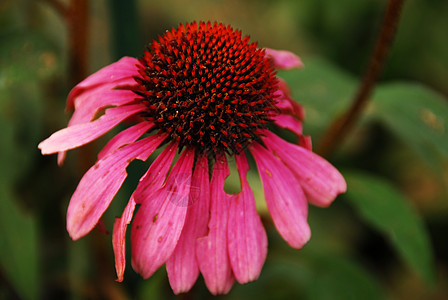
[203, 91]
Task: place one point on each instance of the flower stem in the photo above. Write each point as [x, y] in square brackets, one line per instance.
[340, 127]
[77, 21]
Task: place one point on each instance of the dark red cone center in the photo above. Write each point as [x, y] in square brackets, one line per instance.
[207, 87]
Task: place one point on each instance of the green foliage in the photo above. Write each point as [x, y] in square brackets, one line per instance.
[310, 275]
[417, 115]
[338, 34]
[25, 56]
[336, 277]
[25, 60]
[323, 90]
[388, 211]
[19, 252]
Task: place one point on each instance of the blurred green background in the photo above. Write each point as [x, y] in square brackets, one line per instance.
[385, 239]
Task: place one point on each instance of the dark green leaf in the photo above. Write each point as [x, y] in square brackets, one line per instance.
[20, 120]
[389, 212]
[306, 274]
[336, 277]
[417, 115]
[323, 90]
[18, 246]
[80, 265]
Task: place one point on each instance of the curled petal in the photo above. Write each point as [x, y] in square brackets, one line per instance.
[89, 103]
[320, 180]
[159, 222]
[78, 135]
[182, 266]
[286, 104]
[211, 250]
[119, 238]
[100, 184]
[248, 243]
[284, 197]
[119, 71]
[283, 59]
[127, 136]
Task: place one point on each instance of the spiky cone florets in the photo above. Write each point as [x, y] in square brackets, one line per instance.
[207, 87]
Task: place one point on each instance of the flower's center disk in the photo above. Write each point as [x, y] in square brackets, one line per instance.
[207, 87]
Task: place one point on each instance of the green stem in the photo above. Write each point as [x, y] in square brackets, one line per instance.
[341, 127]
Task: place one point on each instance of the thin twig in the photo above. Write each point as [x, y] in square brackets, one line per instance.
[340, 128]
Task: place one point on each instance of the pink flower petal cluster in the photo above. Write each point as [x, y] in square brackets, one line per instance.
[185, 219]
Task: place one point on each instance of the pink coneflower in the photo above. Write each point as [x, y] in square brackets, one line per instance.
[203, 91]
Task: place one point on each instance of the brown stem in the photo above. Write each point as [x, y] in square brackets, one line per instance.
[340, 128]
[77, 21]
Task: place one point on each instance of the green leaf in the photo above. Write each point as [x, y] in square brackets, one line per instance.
[306, 274]
[80, 266]
[323, 90]
[20, 120]
[417, 115]
[388, 211]
[18, 246]
[337, 277]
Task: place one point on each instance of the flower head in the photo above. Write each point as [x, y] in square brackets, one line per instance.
[204, 91]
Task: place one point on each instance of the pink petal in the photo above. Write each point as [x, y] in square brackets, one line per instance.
[159, 221]
[283, 59]
[182, 266]
[211, 250]
[288, 122]
[119, 238]
[124, 68]
[100, 184]
[320, 180]
[127, 136]
[155, 177]
[284, 197]
[247, 240]
[78, 135]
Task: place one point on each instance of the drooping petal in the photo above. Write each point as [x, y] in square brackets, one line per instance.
[154, 178]
[247, 240]
[127, 136]
[320, 180]
[111, 74]
[159, 221]
[212, 250]
[100, 184]
[78, 135]
[182, 266]
[283, 59]
[284, 197]
[119, 238]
